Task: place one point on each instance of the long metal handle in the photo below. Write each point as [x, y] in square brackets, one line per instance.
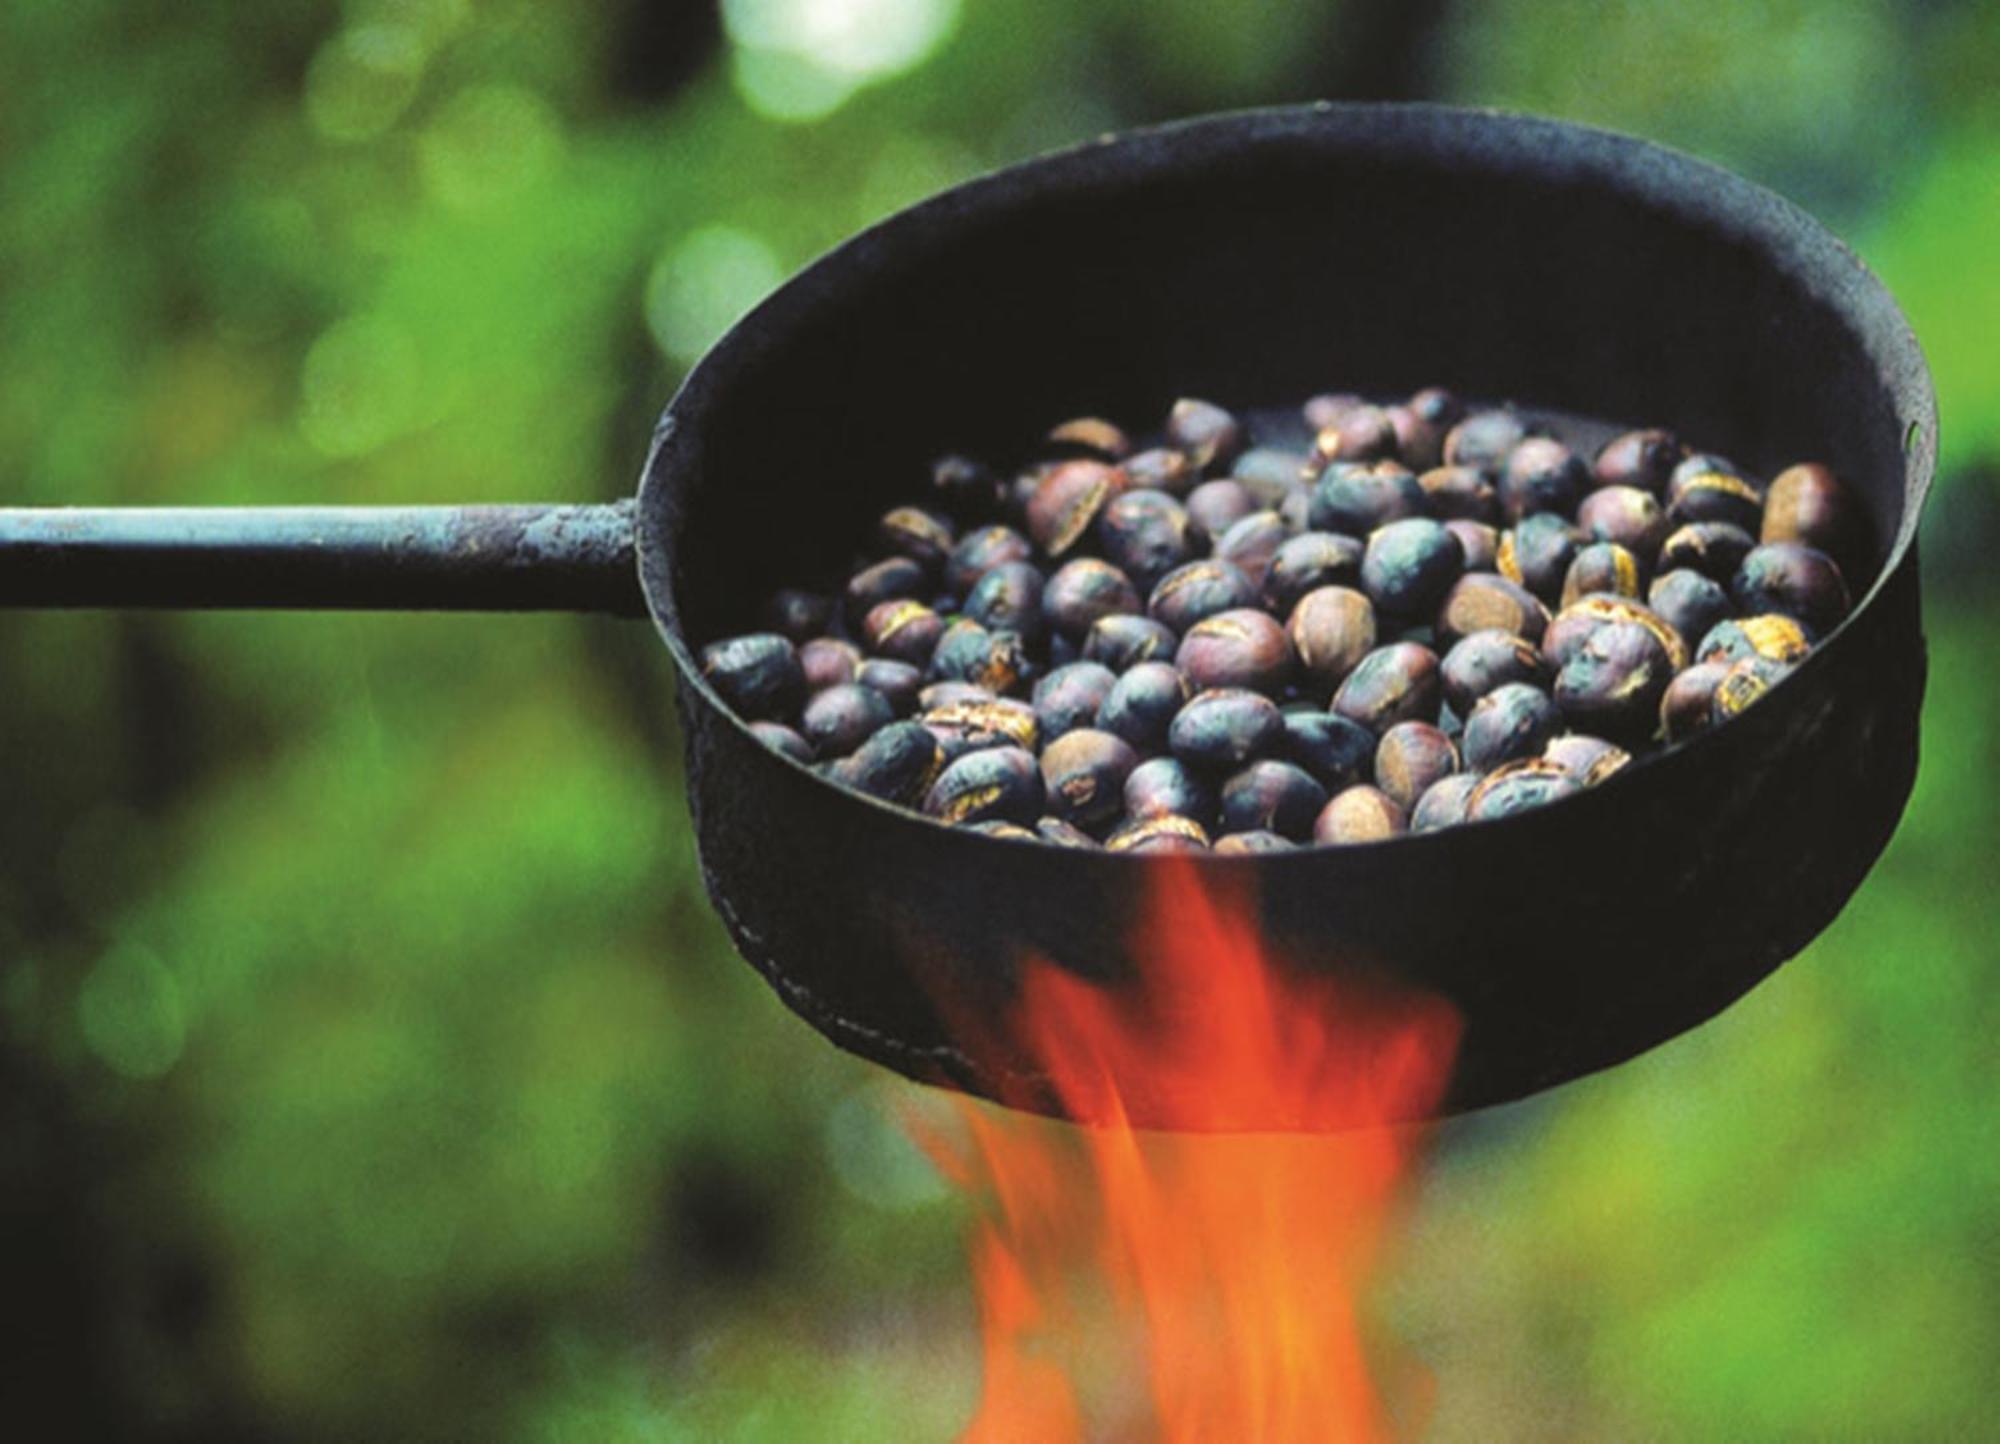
[364, 558]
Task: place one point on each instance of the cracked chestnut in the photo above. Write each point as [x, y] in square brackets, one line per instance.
[1396, 683]
[1083, 776]
[995, 784]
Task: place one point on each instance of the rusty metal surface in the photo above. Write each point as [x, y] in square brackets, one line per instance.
[471, 558]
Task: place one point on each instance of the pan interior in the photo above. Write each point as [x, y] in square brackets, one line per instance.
[1121, 277]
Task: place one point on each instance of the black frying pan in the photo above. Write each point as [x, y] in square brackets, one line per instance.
[1252, 258]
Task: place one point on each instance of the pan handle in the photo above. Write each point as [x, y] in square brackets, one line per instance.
[360, 558]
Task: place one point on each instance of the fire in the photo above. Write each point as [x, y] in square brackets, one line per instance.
[1225, 1268]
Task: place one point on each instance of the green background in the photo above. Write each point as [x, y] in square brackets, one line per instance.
[371, 1065]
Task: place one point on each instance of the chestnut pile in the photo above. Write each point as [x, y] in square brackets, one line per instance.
[1421, 617]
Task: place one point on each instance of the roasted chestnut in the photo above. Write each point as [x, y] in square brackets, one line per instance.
[1396, 683]
[1083, 775]
[996, 784]
[1225, 728]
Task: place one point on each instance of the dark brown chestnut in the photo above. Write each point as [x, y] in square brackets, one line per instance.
[1589, 759]
[903, 631]
[1613, 684]
[1215, 506]
[1331, 630]
[978, 552]
[1396, 683]
[828, 661]
[1771, 634]
[1240, 648]
[967, 652]
[1359, 814]
[1487, 601]
[899, 764]
[1243, 844]
[1484, 439]
[1795, 580]
[1090, 436]
[1225, 728]
[1645, 459]
[1412, 756]
[1068, 697]
[1713, 548]
[1162, 468]
[1307, 562]
[1201, 589]
[1518, 786]
[1537, 552]
[1461, 493]
[1271, 796]
[1627, 515]
[1160, 834]
[1684, 706]
[898, 682]
[1356, 499]
[1208, 434]
[1251, 542]
[1480, 542]
[1142, 702]
[1444, 802]
[1063, 834]
[840, 718]
[1744, 684]
[922, 536]
[1576, 622]
[1008, 599]
[1808, 504]
[1710, 488]
[1421, 424]
[1483, 660]
[1337, 750]
[897, 579]
[1124, 639]
[780, 738]
[1083, 590]
[758, 675]
[1360, 433]
[1145, 534]
[1688, 602]
[1083, 775]
[1409, 566]
[1541, 474]
[996, 784]
[1067, 502]
[1513, 721]
[1168, 787]
[1602, 567]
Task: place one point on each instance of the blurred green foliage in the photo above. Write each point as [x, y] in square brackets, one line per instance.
[370, 1063]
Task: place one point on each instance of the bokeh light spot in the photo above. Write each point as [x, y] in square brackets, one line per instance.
[131, 1013]
[489, 142]
[703, 284]
[362, 80]
[800, 59]
[359, 387]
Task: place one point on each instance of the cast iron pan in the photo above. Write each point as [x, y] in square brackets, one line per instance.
[1253, 259]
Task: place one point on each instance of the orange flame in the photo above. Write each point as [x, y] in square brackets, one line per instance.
[1230, 1265]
